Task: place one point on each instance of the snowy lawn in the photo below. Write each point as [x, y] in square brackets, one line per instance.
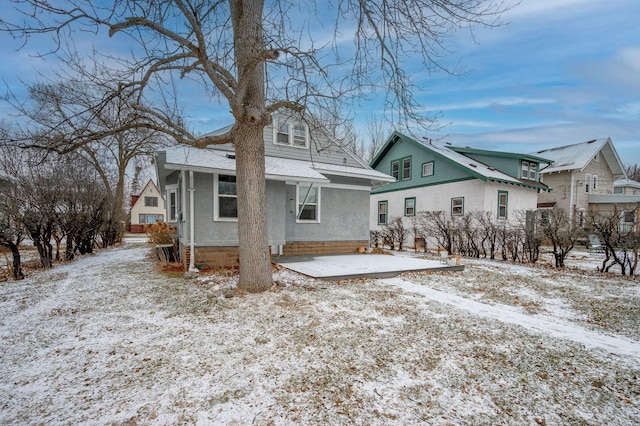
[109, 339]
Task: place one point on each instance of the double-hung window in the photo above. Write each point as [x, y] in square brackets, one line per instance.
[410, 206]
[529, 170]
[226, 198]
[401, 169]
[172, 204]
[457, 206]
[395, 169]
[383, 208]
[308, 203]
[587, 182]
[503, 204]
[291, 134]
[406, 169]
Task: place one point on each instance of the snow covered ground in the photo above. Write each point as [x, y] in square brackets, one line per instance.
[111, 339]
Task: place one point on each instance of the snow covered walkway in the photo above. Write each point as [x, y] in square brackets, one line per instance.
[541, 324]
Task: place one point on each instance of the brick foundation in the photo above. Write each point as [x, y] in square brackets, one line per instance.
[228, 257]
[212, 257]
[306, 248]
[137, 229]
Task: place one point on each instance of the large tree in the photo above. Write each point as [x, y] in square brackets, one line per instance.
[225, 46]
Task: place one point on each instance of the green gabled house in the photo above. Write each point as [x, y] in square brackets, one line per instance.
[436, 177]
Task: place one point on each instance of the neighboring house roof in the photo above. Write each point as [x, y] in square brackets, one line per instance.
[473, 167]
[282, 169]
[528, 157]
[136, 197]
[578, 156]
[614, 199]
[626, 183]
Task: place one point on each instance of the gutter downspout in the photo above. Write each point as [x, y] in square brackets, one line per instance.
[571, 196]
[191, 224]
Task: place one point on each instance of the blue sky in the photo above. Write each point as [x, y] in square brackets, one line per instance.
[561, 72]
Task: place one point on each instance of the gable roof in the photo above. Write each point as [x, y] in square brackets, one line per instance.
[578, 156]
[473, 167]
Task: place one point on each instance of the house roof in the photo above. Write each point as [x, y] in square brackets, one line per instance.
[136, 197]
[628, 183]
[475, 168]
[579, 155]
[283, 169]
[614, 199]
[521, 156]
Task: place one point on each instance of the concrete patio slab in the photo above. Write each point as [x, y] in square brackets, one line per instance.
[349, 266]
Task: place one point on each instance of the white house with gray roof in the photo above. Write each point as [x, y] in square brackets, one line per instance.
[580, 175]
[317, 195]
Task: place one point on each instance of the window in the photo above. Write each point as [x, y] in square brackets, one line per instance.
[151, 201]
[587, 182]
[629, 216]
[503, 200]
[406, 169]
[401, 169]
[395, 169]
[172, 208]
[427, 169]
[457, 206]
[308, 202]
[595, 182]
[410, 206]
[291, 134]
[618, 191]
[383, 208]
[146, 219]
[529, 170]
[227, 197]
[300, 135]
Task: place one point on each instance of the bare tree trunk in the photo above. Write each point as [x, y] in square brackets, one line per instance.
[249, 109]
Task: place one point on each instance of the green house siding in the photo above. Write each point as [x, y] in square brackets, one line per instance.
[444, 171]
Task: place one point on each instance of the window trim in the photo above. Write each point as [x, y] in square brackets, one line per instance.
[404, 168]
[317, 203]
[461, 199]
[148, 203]
[506, 204]
[386, 212]
[172, 189]
[216, 197]
[291, 133]
[432, 168]
[396, 174]
[142, 218]
[526, 168]
[587, 183]
[414, 206]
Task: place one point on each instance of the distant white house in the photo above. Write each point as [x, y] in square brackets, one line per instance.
[146, 208]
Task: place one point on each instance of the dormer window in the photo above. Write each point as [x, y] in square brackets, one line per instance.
[529, 170]
[291, 134]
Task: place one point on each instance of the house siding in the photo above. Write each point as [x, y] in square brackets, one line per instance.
[443, 170]
[478, 196]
